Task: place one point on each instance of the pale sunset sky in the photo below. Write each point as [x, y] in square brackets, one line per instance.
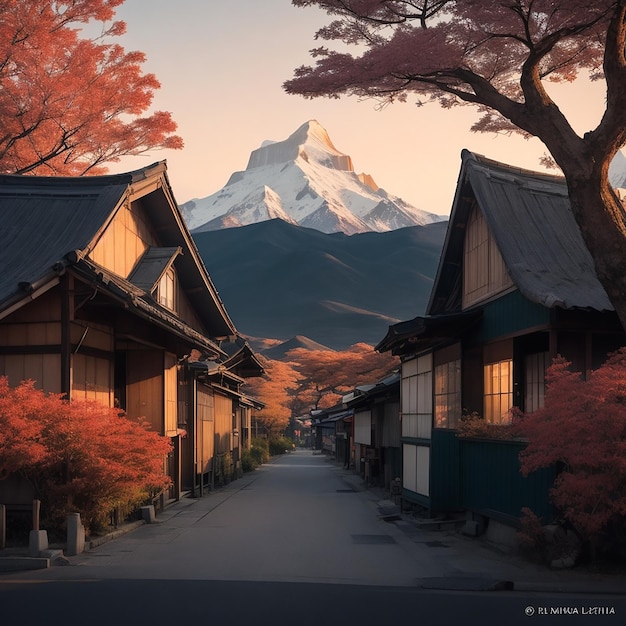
[221, 66]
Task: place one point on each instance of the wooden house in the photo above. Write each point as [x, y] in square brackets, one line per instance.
[103, 296]
[363, 431]
[376, 430]
[515, 287]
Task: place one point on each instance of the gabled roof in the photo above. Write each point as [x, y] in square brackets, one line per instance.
[151, 267]
[241, 358]
[421, 333]
[530, 218]
[51, 223]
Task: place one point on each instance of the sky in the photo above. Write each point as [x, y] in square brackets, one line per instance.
[221, 66]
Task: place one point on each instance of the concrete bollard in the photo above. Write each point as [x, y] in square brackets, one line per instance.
[147, 514]
[37, 542]
[75, 535]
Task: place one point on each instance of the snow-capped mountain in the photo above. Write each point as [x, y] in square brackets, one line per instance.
[303, 180]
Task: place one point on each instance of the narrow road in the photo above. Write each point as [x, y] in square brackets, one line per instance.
[296, 519]
[293, 542]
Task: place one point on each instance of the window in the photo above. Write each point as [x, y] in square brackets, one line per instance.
[417, 398]
[484, 271]
[166, 290]
[448, 394]
[535, 380]
[498, 391]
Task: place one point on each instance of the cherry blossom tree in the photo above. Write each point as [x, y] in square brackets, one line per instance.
[499, 57]
[70, 103]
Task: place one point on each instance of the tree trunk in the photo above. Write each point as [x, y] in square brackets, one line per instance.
[602, 221]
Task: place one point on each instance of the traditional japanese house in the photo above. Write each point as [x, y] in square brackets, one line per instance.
[515, 287]
[376, 433]
[103, 296]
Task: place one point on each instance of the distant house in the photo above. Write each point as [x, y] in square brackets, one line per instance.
[363, 431]
[103, 296]
[515, 287]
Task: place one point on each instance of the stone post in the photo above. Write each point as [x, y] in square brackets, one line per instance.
[75, 535]
[38, 539]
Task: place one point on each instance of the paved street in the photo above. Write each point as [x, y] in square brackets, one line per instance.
[293, 541]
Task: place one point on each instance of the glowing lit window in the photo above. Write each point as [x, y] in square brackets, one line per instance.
[498, 391]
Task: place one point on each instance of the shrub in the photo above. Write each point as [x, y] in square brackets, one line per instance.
[280, 445]
[81, 457]
[581, 429]
[260, 451]
[473, 425]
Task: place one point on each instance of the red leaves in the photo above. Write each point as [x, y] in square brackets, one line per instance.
[70, 104]
[582, 428]
[82, 455]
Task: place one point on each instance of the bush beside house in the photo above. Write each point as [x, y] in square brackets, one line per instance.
[79, 457]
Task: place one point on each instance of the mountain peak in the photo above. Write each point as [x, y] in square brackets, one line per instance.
[310, 143]
[305, 180]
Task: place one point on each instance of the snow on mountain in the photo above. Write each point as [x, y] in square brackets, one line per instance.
[303, 180]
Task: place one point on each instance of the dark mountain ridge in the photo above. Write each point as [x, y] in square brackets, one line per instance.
[279, 280]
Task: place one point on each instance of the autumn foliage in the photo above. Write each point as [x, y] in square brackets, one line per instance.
[311, 379]
[582, 431]
[275, 389]
[71, 103]
[81, 456]
[324, 376]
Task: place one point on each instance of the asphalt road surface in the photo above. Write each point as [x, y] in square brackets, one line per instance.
[291, 543]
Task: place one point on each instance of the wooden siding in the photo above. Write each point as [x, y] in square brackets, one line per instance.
[44, 369]
[363, 428]
[205, 439]
[223, 423]
[491, 482]
[92, 379]
[124, 241]
[186, 311]
[30, 334]
[144, 390]
[484, 271]
[512, 314]
[445, 482]
[92, 335]
[171, 395]
[391, 425]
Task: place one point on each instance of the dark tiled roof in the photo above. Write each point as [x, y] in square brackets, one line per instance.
[47, 223]
[529, 216]
[151, 267]
[43, 219]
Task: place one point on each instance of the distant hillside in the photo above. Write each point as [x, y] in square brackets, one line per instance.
[278, 352]
[279, 280]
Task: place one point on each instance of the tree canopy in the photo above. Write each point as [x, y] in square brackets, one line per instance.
[70, 103]
[498, 56]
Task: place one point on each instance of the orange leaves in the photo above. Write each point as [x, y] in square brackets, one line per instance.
[582, 429]
[314, 379]
[70, 104]
[326, 375]
[82, 455]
